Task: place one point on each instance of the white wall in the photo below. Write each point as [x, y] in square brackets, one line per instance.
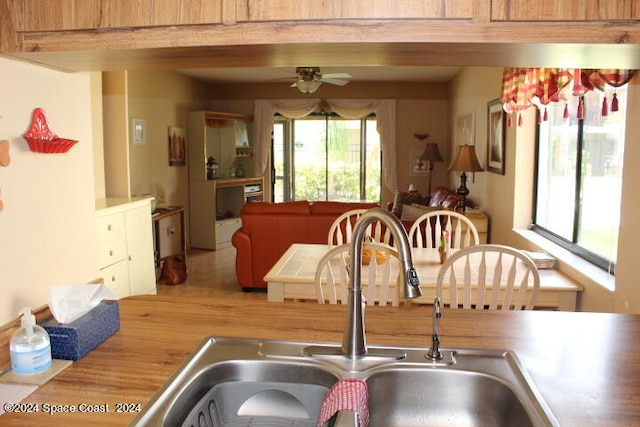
[47, 227]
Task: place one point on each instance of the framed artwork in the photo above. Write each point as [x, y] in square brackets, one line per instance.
[465, 129]
[417, 166]
[138, 131]
[495, 137]
[177, 147]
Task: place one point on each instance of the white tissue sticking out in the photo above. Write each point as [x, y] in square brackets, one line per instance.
[69, 302]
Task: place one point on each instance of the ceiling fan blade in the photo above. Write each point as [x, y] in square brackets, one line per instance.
[336, 76]
[338, 82]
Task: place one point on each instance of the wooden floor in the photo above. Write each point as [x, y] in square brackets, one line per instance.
[211, 273]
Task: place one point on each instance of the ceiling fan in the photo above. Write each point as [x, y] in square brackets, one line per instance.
[310, 79]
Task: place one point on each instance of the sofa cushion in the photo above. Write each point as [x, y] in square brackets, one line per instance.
[337, 208]
[324, 213]
[266, 208]
[439, 195]
[410, 213]
[404, 198]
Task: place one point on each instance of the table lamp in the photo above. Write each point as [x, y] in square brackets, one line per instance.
[464, 161]
[431, 154]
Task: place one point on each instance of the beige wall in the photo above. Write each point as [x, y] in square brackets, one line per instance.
[47, 227]
[162, 99]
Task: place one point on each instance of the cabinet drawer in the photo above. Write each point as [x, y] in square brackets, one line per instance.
[116, 278]
[224, 231]
[111, 226]
[112, 251]
[481, 222]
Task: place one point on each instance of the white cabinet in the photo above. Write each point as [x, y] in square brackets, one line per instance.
[125, 243]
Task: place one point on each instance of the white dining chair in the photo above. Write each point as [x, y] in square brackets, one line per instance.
[379, 277]
[427, 229]
[494, 277]
[341, 230]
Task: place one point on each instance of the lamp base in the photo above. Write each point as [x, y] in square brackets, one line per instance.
[462, 191]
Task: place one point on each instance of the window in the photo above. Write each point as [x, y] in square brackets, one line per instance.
[326, 157]
[579, 178]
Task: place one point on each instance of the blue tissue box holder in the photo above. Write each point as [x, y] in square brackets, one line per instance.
[72, 341]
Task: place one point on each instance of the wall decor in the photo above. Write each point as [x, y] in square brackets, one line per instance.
[138, 131]
[177, 146]
[417, 165]
[465, 129]
[41, 139]
[495, 137]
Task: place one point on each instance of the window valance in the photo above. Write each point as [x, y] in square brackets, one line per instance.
[523, 87]
[385, 110]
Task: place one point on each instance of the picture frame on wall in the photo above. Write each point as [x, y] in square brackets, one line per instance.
[177, 146]
[417, 166]
[464, 129]
[496, 131]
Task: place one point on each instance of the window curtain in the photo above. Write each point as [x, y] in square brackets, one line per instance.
[385, 110]
[523, 87]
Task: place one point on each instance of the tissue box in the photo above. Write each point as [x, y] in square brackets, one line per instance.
[72, 341]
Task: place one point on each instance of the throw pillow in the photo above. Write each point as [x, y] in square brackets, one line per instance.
[404, 198]
[410, 213]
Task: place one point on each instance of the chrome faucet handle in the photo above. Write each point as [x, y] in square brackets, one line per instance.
[434, 352]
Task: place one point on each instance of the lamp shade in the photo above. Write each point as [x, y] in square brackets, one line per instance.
[432, 153]
[465, 160]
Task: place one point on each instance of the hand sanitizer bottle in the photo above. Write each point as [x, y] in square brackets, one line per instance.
[30, 346]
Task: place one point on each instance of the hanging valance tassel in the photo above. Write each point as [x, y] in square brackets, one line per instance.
[580, 113]
[614, 102]
[519, 120]
[546, 115]
[539, 117]
[510, 121]
[605, 107]
[566, 111]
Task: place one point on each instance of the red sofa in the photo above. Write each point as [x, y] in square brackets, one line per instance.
[268, 229]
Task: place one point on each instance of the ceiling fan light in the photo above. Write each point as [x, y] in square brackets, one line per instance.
[308, 86]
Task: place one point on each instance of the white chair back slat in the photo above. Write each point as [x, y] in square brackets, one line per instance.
[331, 277]
[496, 277]
[495, 284]
[482, 281]
[341, 230]
[461, 231]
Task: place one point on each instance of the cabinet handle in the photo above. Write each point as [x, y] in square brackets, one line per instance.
[109, 227]
[113, 279]
[111, 252]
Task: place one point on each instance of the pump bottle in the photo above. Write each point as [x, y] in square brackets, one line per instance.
[30, 346]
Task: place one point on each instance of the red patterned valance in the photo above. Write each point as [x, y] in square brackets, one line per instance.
[523, 87]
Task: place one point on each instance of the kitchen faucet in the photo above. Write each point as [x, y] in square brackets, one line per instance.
[354, 341]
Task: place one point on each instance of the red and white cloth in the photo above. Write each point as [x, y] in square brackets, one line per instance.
[349, 394]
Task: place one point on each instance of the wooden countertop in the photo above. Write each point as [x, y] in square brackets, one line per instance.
[586, 365]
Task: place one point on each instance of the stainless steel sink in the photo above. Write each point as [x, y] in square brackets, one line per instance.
[482, 388]
[241, 382]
